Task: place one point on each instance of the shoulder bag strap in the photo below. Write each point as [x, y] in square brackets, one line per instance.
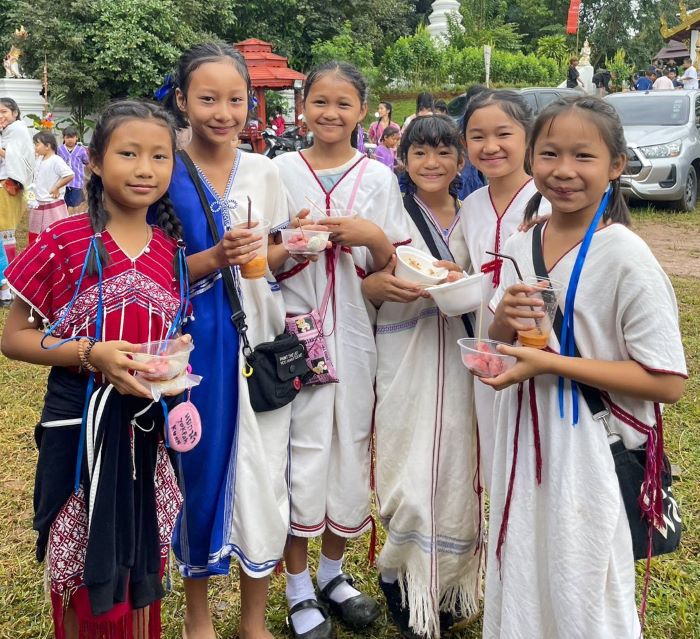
[590, 394]
[418, 218]
[238, 317]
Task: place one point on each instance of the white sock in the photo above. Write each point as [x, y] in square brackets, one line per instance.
[329, 569]
[300, 588]
[390, 575]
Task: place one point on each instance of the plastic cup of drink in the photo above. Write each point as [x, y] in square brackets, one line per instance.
[257, 267]
[547, 290]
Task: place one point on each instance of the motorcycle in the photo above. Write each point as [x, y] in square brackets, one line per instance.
[290, 140]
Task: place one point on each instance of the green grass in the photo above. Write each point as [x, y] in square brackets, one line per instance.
[674, 601]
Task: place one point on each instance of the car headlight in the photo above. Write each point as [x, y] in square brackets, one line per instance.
[668, 150]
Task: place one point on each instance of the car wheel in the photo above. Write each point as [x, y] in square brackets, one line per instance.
[690, 192]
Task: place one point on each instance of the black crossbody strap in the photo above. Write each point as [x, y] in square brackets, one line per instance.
[238, 317]
[590, 394]
[416, 214]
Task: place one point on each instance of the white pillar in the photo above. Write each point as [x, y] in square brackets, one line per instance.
[693, 44]
[437, 26]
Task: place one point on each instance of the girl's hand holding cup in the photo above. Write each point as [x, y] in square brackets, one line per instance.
[512, 308]
[238, 246]
[302, 220]
[112, 360]
[384, 286]
[352, 231]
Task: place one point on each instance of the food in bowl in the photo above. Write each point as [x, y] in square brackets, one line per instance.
[482, 359]
[167, 358]
[308, 242]
[459, 296]
[418, 267]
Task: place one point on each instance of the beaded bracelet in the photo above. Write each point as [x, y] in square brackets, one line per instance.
[84, 347]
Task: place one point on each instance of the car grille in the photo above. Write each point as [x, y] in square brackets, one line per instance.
[634, 164]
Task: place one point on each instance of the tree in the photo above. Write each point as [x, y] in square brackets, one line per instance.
[345, 47]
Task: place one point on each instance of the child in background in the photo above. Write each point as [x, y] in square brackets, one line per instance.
[495, 126]
[440, 107]
[332, 423]
[386, 151]
[384, 115]
[234, 481]
[560, 561]
[75, 155]
[51, 175]
[424, 106]
[426, 455]
[104, 282]
[278, 124]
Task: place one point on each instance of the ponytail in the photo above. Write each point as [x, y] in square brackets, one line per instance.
[617, 211]
[98, 221]
[532, 208]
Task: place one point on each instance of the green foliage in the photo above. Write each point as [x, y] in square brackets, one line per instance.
[416, 60]
[472, 33]
[274, 102]
[345, 46]
[553, 46]
[621, 69]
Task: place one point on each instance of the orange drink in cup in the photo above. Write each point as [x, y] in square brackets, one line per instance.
[257, 267]
[538, 331]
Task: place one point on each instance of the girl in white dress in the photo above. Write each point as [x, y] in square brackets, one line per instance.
[496, 125]
[332, 423]
[560, 562]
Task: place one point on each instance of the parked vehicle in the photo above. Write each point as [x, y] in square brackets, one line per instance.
[290, 140]
[537, 97]
[663, 145]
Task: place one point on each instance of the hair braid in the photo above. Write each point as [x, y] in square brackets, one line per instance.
[167, 220]
[98, 220]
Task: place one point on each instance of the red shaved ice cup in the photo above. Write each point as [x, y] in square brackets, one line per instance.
[482, 359]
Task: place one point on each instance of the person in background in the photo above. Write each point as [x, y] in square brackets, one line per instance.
[663, 82]
[673, 76]
[573, 81]
[601, 81]
[690, 75]
[384, 115]
[644, 83]
[278, 124]
[386, 150]
[440, 107]
[424, 106]
[75, 155]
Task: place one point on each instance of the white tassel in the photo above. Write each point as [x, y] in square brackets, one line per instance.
[121, 321]
[150, 313]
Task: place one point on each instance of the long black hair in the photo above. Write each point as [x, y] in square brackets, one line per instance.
[389, 109]
[511, 102]
[189, 62]
[12, 105]
[432, 130]
[345, 70]
[604, 117]
[113, 116]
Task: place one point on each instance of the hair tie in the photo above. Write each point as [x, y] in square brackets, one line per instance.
[164, 91]
[98, 234]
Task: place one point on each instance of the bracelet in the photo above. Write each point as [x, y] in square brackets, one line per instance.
[84, 347]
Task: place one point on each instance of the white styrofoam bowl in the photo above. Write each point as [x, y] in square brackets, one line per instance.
[457, 298]
[425, 273]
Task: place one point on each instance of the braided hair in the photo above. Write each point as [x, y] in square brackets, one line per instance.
[113, 116]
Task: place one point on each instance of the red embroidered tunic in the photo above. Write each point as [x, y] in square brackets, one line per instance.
[140, 294]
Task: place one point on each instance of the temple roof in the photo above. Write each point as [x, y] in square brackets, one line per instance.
[267, 70]
[688, 21]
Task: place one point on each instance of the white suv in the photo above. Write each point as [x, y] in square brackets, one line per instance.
[662, 129]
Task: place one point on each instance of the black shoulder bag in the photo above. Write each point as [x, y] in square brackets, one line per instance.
[629, 464]
[275, 370]
[416, 214]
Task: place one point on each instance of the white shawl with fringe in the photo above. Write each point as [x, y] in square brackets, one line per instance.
[19, 153]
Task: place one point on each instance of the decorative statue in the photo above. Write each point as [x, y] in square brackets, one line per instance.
[585, 58]
[11, 63]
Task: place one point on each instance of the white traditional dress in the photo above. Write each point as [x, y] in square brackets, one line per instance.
[234, 480]
[332, 423]
[427, 477]
[567, 569]
[484, 230]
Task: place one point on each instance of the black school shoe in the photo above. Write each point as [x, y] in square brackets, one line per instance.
[324, 630]
[399, 613]
[356, 612]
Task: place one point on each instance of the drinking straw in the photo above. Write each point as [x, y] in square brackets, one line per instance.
[250, 208]
[520, 277]
[481, 315]
[316, 206]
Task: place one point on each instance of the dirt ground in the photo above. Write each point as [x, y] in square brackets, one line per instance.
[676, 247]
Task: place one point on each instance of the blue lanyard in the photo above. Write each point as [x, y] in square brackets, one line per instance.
[568, 343]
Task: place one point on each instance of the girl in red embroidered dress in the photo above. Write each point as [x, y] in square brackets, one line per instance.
[103, 283]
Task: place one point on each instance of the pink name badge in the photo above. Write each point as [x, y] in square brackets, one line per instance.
[184, 427]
